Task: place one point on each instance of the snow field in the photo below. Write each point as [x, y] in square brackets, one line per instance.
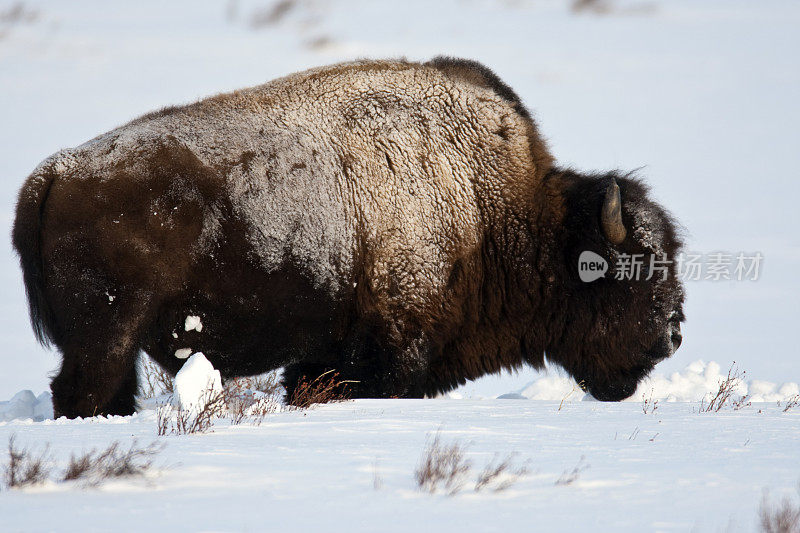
[355, 465]
[671, 470]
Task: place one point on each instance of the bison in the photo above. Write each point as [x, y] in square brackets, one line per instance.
[402, 223]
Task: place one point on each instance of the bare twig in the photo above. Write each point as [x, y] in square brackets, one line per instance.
[649, 405]
[500, 475]
[113, 462]
[326, 388]
[442, 466]
[575, 388]
[791, 403]
[783, 518]
[25, 469]
[154, 380]
[727, 387]
[272, 15]
[568, 477]
[188, 421]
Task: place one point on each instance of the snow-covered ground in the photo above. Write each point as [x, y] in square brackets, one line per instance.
[350, 467]
[659, 462]
[701, 93]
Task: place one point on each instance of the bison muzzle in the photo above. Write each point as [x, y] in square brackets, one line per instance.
[402, 223]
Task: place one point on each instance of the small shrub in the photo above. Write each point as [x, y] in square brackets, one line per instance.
[591, 6]
[95, 467]
[248, 400]
[727, 387]
[783, 518]
[245, 400]
[500, 475]
[17, 13]
[182, 421]
[791, 403]
[272, 15]
[154, 380]
[649, 405]
[568, 477]
[238, 402]
[324, 389]
[268, 384]
[25, 469]
[442, 467]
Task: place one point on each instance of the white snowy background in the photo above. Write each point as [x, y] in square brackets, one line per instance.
[702, 95]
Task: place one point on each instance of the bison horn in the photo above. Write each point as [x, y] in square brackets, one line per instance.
[611, 217]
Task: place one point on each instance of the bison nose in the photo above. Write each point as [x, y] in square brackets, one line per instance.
[676, 336]
[676, 339]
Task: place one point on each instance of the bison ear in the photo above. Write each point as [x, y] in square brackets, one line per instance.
[611, 216]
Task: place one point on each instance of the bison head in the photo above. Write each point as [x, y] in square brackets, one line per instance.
[614, 326]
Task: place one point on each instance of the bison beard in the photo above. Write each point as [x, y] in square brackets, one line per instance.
[402, 223]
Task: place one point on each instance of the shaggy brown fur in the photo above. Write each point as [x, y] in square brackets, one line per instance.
[401, 223]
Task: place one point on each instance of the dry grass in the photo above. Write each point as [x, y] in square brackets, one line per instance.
[442, 467]
[113, 462]
[269, 383]
[791, 403]
[181, 421]
[248, 400]
[154, 380]
[24, 468]
[568, 477]
[780, 518]
[445, 468]
[607, 7]
[500, 475]
[649, 405]
[591, 6]
[273, 14]
[575, 388]
[241, 400]
[18, 13]
[251, 399]
[326, 388]
[725, 392]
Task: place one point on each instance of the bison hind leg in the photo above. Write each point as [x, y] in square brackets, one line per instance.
[94, 381]
[99, 374]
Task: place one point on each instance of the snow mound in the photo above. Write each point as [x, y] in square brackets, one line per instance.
[696, 382]
[195, 382]
[25, 405]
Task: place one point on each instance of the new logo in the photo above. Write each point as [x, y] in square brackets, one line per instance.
[591, 266]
